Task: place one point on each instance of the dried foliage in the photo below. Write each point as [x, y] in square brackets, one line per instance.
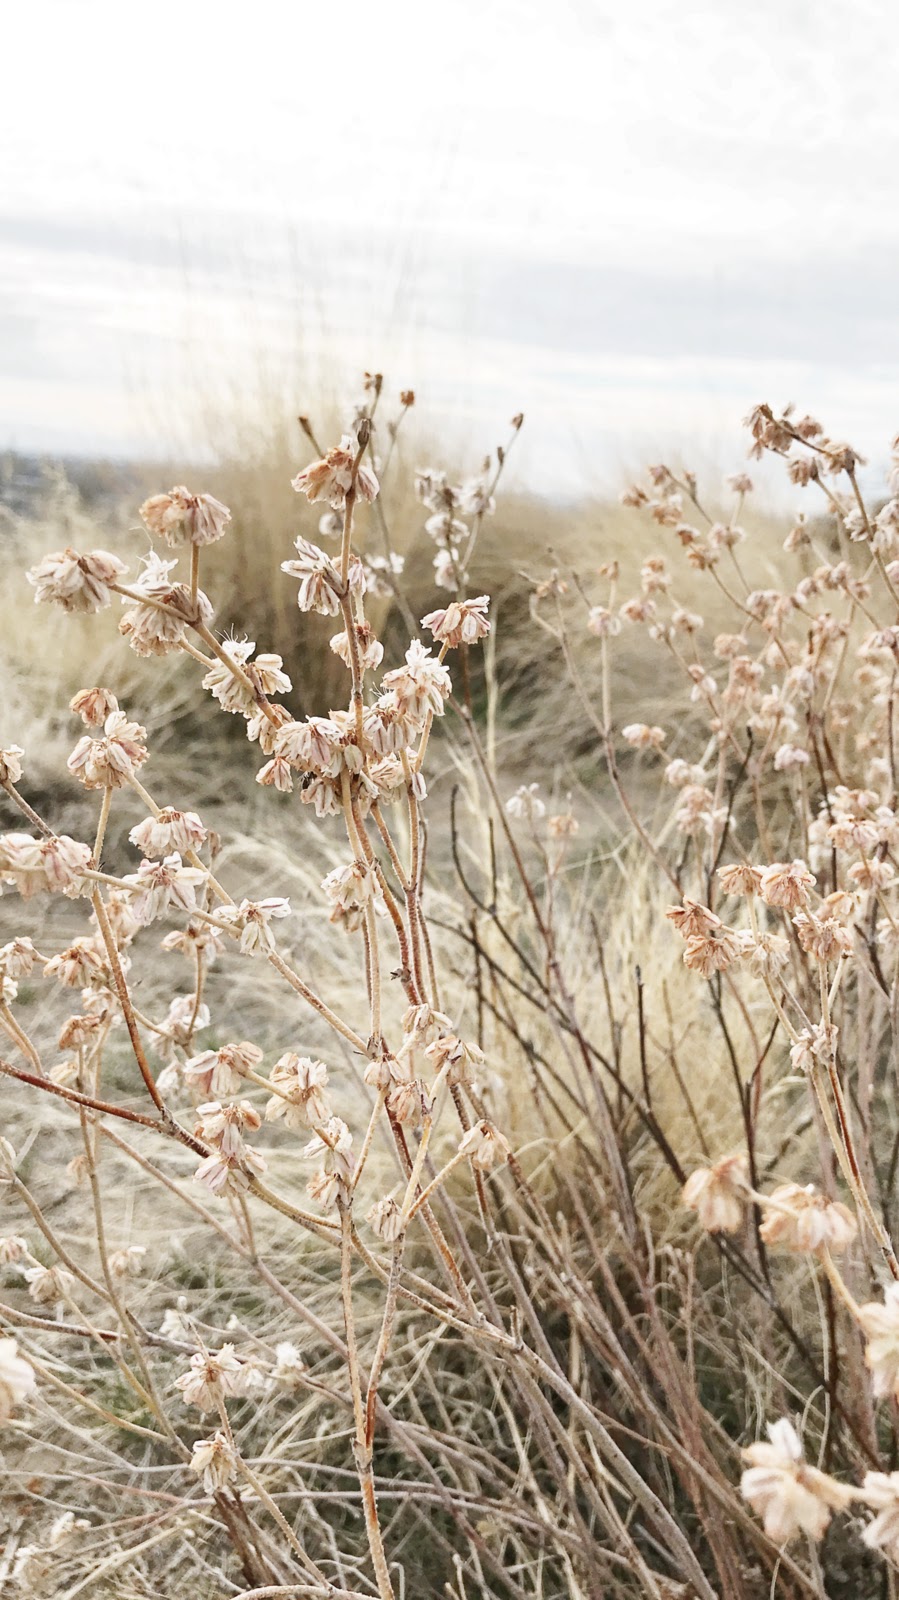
[342, 1252]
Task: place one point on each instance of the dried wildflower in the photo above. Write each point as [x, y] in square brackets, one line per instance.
[370, 650]
[459, 1059]
[331, 477]
[461, 622]
[214, 1460]
[83, 963]
[157, 621]
[289, 1365]
[127, 1263]
[93, 706]
[17, 1380]
[564, 825]
[109, 762]
[46, 1285]
[485, 1146]
[76, 582]
[386, 1219]
[714, 952]
[213, 1377]
[786, 884]
[419, 687]
[167, 832]
[301, 1098]
[602, 622]
[333, 1142]
[320, 585]
[718, 1194]
[180, 517]
[802, 1220]
[11, 764]
[35, 866]
[252, 919]
[184, 1018]
[12, 1249]
[157, 885]
[349, 887]
[221, 1072]
[276, 774]
[526, 802]
[642, 737]
[739, 878]
[818, 1043]
[790, 1496]
[825, 938]
[880, 1490]
[880, 1323]
[17, 958]
[693, 920]
[65, 1528]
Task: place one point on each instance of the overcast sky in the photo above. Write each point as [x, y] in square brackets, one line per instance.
[631, 221]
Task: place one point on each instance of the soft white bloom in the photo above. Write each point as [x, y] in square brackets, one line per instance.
[880, 1490]
[180, 517]
[881, 1325]
[157, 621]
[252, 918]
[221, 1072]
[168, 831]
[301, 1098]
[485, 1146]
[526, 802]
[330, 478]
[157, 885]
[76, 582]
[319, 579]
[17, 958]
[11, 763]
[801, 1220]
[17, 1379]
[213, 1376]
[790, 1496]
[461, 622]
[214, 1460]
[48, 1284]
[109, 762]
[718, 1194]
[421, 686]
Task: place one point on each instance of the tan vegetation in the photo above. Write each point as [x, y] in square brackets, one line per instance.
[349, 1110]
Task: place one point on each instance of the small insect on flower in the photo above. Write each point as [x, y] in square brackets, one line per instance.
[790, 1496]
[17, 1380]
[180, 517]
[802, 1220]
[719, 1194]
